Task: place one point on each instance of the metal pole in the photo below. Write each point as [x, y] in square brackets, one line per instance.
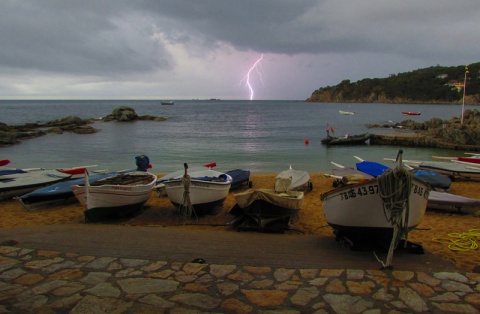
[464, 87]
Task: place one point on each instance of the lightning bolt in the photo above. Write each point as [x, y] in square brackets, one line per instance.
[246, 78]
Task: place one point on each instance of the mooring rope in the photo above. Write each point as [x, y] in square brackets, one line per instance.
[394, 188]
[461, 242]
[186, 209]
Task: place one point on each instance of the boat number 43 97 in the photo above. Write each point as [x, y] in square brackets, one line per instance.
[360, 191]
[373, 189]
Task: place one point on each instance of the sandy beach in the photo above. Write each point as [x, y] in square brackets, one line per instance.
[433, 233]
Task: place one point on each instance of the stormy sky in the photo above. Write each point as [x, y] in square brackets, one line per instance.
[200, 49]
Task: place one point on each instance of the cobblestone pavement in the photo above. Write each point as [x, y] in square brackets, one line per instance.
[40, 273]
[43, 281]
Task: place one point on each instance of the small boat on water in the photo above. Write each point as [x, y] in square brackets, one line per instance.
[351, 113]
[347, 139]
[16, 184]
[383, 209]
[411, 113]
[116, 196]
[197, 192]
[292, 180]
[167, 102]
[264, 207]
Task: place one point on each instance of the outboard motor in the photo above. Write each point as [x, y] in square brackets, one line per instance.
[142, 162]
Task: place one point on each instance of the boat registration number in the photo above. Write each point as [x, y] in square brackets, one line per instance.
[419, 190]
[361, 191]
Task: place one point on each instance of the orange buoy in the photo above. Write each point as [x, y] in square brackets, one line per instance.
[307, 142]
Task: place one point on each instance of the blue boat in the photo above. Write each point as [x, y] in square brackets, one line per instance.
[436, 180]
[240, 177]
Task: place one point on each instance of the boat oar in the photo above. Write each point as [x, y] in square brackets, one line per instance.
[337, 165]
[470, 165]
[4, 162]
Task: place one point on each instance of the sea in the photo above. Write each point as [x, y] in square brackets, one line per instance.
[260, 136]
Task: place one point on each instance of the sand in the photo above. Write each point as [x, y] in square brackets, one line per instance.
[160, 212]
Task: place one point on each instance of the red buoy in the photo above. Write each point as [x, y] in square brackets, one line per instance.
[307, 142]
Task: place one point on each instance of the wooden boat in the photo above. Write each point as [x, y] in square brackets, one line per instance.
[291, 180]
[17, 184]
[453, 203]
[451, 169]
[347, 139]
[239, 178]
[473, 159]
[351, 113]
[265, 206]
[410, 113]
[118, 196]
[197, 192]
[347, 175]
[435, 179]
[74, 172]
[58, 193]
[364, 211]
[438, 200]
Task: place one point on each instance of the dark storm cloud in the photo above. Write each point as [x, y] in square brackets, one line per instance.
[150, 47]
[76, 37]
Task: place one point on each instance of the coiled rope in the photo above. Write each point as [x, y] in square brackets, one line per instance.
[395, 188]
[461, 242]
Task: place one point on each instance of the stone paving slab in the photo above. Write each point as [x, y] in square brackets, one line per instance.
[114, 269]
[41, 281]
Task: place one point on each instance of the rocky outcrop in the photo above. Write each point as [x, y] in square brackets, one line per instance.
[452, 134]
[126, 114]
[11, 135]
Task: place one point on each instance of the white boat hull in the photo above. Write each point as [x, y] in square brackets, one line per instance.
[102, 201]
[203, 193]
[358, 208]
[292, 180]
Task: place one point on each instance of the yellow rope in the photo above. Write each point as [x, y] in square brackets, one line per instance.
[461, 242]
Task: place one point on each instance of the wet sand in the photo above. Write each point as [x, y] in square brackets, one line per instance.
[160, 212]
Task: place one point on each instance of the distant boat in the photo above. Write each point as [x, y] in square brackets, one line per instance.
[346, 139]
[410, 113]
[168, 102]
[346, 112]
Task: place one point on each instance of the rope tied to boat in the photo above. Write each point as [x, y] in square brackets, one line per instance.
[395, 188]
[185, 209]
[461, 242]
